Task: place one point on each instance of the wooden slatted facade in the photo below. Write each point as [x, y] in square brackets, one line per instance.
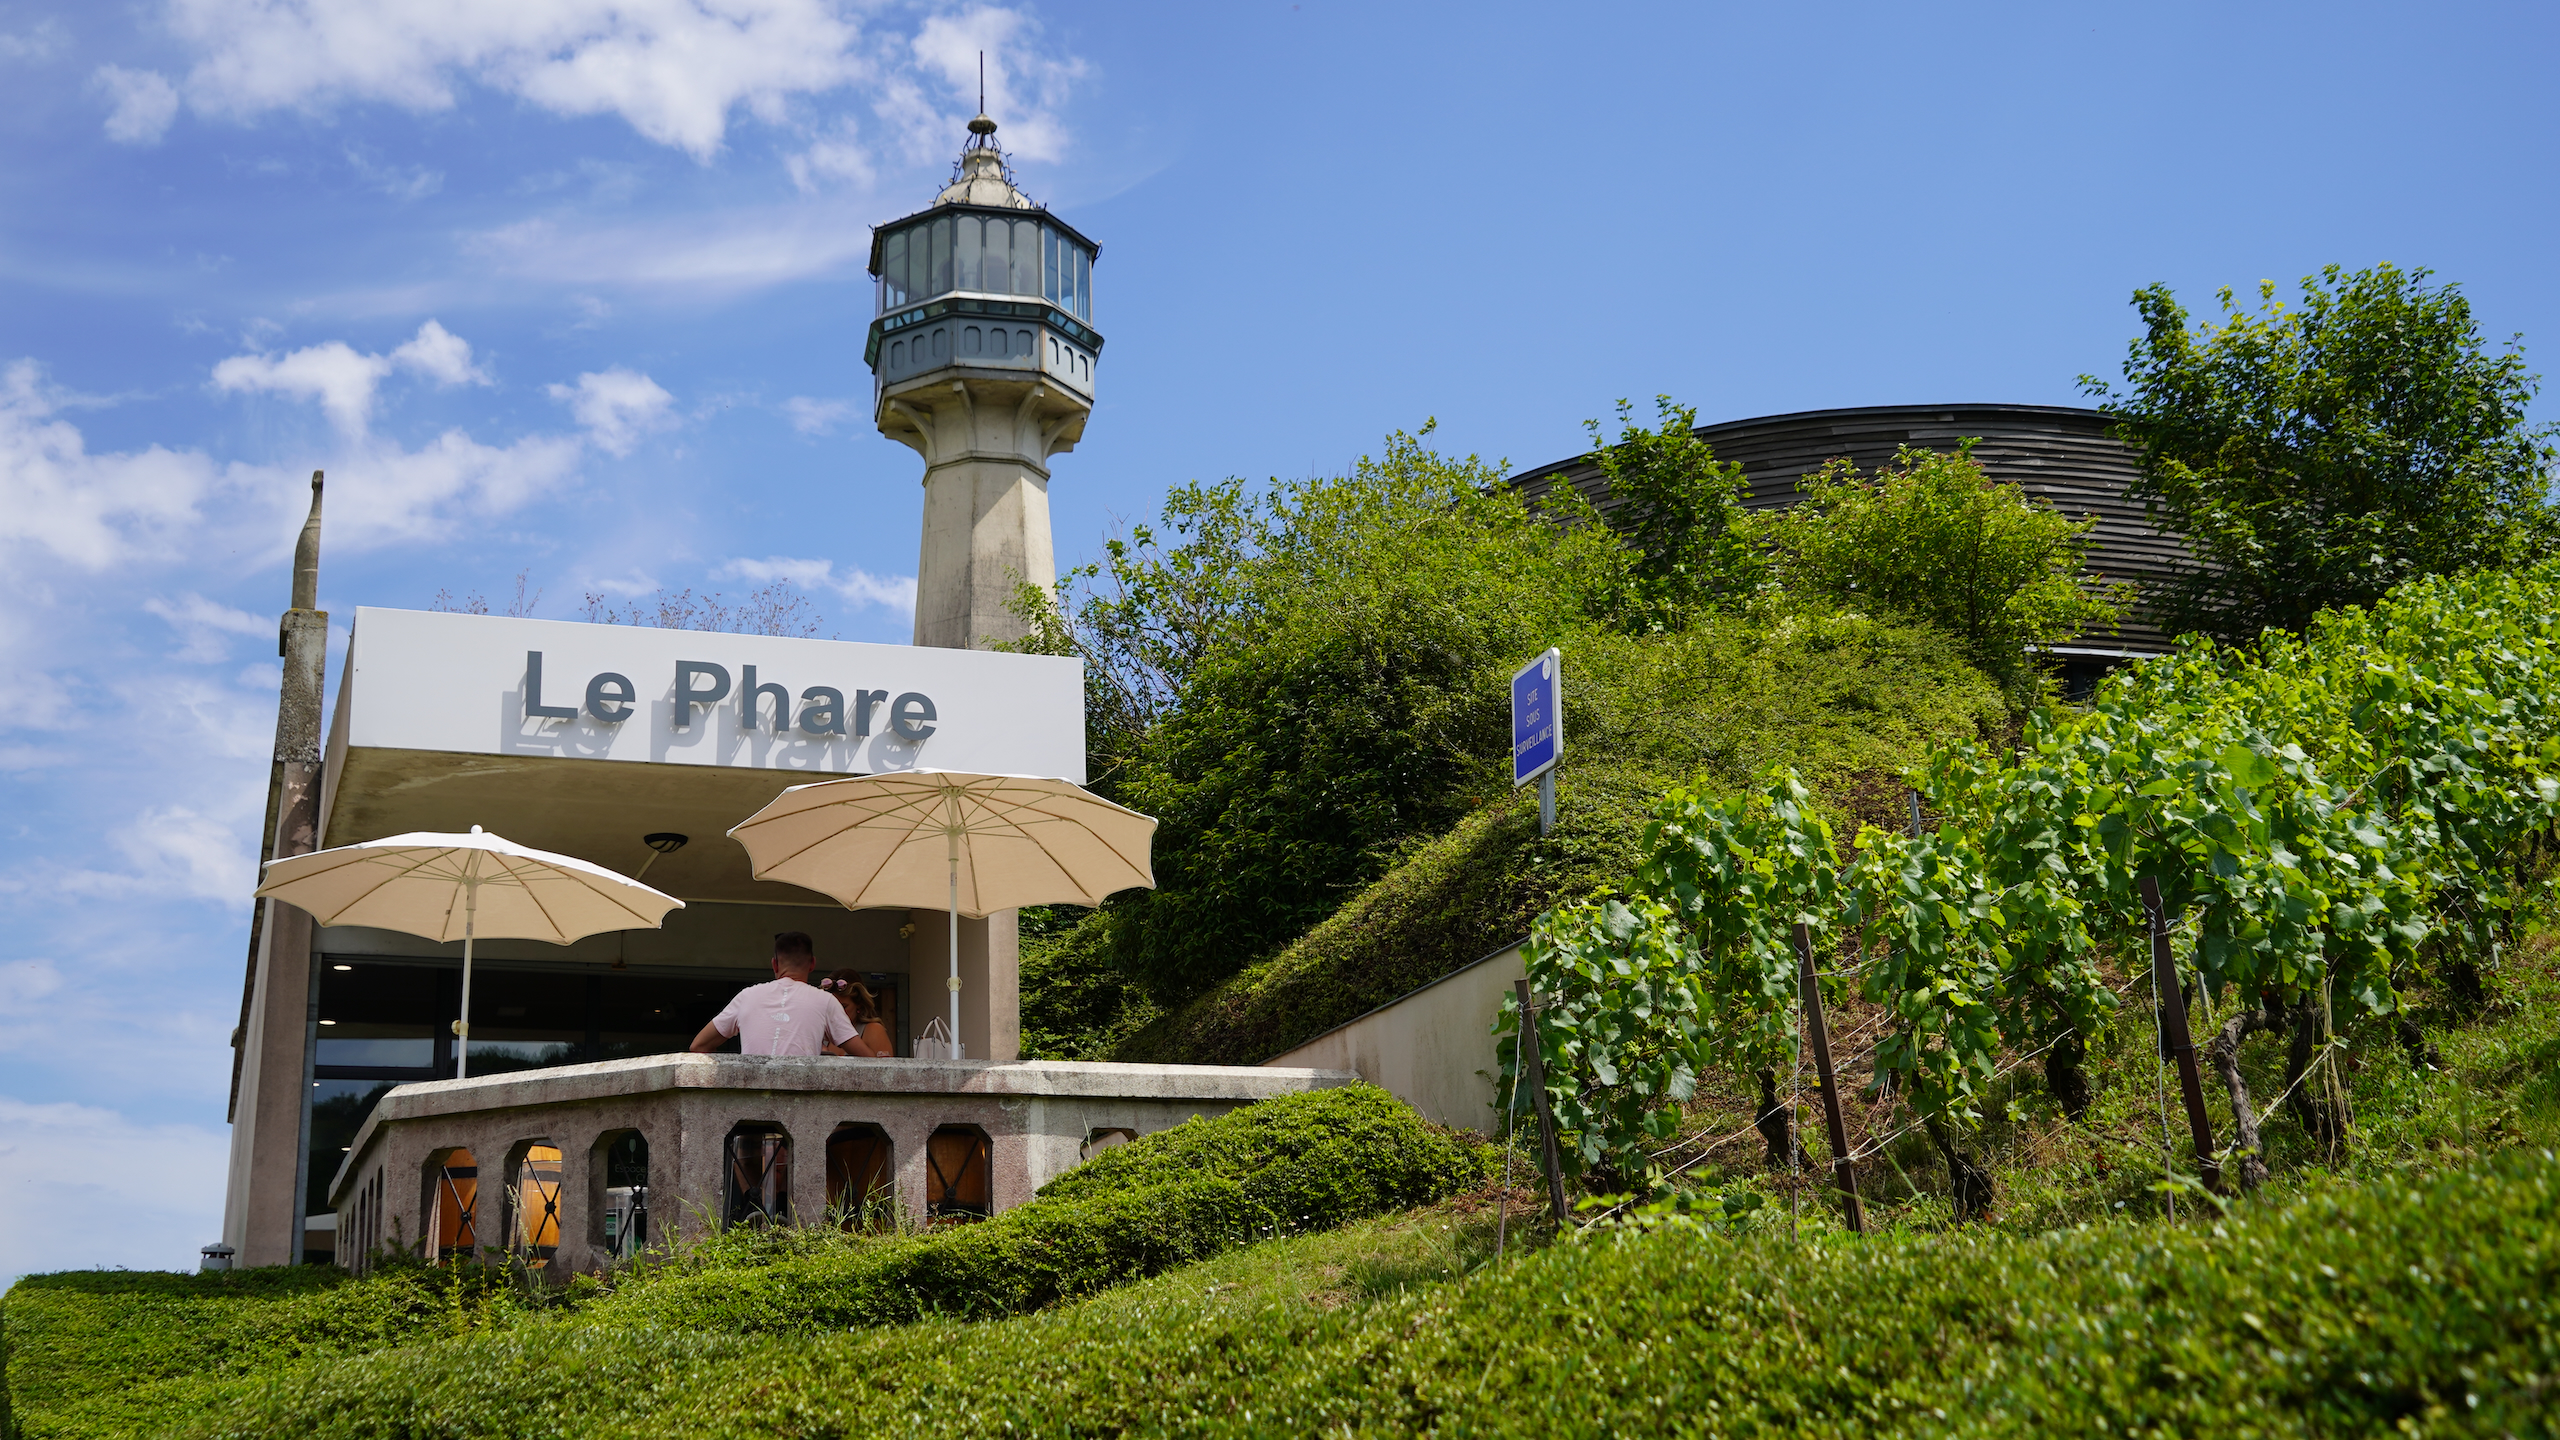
[2058, 454]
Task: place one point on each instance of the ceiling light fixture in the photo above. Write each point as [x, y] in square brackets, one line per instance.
[663, 842]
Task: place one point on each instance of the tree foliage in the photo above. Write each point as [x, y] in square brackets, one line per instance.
[1680, 510]
[1298, 680]
[1304, 681]
[1934, 538]
[2317, 456]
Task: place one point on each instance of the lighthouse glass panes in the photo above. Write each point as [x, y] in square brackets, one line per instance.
[985, 255]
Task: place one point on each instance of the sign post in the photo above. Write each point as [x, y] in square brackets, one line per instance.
[1537, 730]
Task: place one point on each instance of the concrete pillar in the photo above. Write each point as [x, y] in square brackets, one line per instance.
[986, 445]
[263, 1207]
[990, 980]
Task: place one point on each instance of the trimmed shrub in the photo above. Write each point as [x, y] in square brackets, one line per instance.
[1310, 1161]
[1298, 1162]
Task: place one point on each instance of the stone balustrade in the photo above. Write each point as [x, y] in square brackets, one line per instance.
[437, 1162]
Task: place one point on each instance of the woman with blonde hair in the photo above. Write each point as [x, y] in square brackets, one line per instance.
[870, 1037]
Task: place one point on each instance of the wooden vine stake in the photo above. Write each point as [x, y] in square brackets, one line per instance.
[1842, 1170]
[1533, 1065]
[2175, 1039]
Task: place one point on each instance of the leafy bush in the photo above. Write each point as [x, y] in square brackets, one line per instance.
[1933, 538]
[1310, 1161]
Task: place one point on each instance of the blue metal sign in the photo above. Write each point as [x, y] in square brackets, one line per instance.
[1537, 718]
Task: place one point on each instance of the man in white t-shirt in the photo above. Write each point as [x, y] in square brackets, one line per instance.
[784, 1016]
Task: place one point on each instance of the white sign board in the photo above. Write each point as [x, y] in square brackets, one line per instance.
[489, 685]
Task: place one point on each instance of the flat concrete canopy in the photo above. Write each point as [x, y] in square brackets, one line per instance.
[596, 810]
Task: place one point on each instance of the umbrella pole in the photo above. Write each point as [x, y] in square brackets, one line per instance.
[462, 1027]
[955, 947]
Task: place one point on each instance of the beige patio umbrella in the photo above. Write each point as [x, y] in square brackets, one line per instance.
[460, 887]
[977, 843]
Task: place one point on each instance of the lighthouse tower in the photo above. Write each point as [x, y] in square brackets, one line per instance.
[982, 362]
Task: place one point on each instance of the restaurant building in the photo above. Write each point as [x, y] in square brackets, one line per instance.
[637, 749]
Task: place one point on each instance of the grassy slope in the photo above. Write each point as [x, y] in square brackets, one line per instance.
[2429, 1303]
[2443, 1289]
[1848, 702]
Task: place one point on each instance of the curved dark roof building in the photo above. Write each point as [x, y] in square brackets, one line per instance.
[2059, 454]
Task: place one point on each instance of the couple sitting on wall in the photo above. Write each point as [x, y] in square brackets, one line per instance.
[792, 1014]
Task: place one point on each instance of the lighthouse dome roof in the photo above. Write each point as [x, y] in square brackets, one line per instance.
[983, 179]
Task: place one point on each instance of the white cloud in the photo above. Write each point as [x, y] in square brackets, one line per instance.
[836, 155]
[861, 587]
[84, 1186]
[336, 374]
[395, 496]
[441, 356]
[93, 511]
[673, 70]
[412, 183]
[178, 851]
[201, 624]
[617, 406]
[1026, 83]
[144, 103]
[42, 43]
[96, 511]
[729, 251]
[815, 417]
[343, 378]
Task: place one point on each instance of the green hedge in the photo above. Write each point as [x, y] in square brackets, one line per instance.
[2424, 1306]
[1297, 1162]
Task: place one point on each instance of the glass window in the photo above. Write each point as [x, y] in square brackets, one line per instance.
[893, 271]
[1084, 283]
[965, 275]
[941, 252]
[998, 275]
[456, 1180]
[1048, 263]
[338, 1111]
[1026, 252]
[527, 1020]
[919, 268]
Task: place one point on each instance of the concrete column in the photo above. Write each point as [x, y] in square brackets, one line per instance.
[986, 445]
[263, 1207]
[990, 980]
[986, 530]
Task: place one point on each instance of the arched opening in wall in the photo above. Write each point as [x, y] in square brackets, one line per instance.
[453, 1189]
[618, 1194]
[368, 1237]
[759, 1175]
[533, 1204]
[1104, 1137]
[957, 1174]
[862, 1191]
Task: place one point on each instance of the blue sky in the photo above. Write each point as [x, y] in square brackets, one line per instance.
[574, 288]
